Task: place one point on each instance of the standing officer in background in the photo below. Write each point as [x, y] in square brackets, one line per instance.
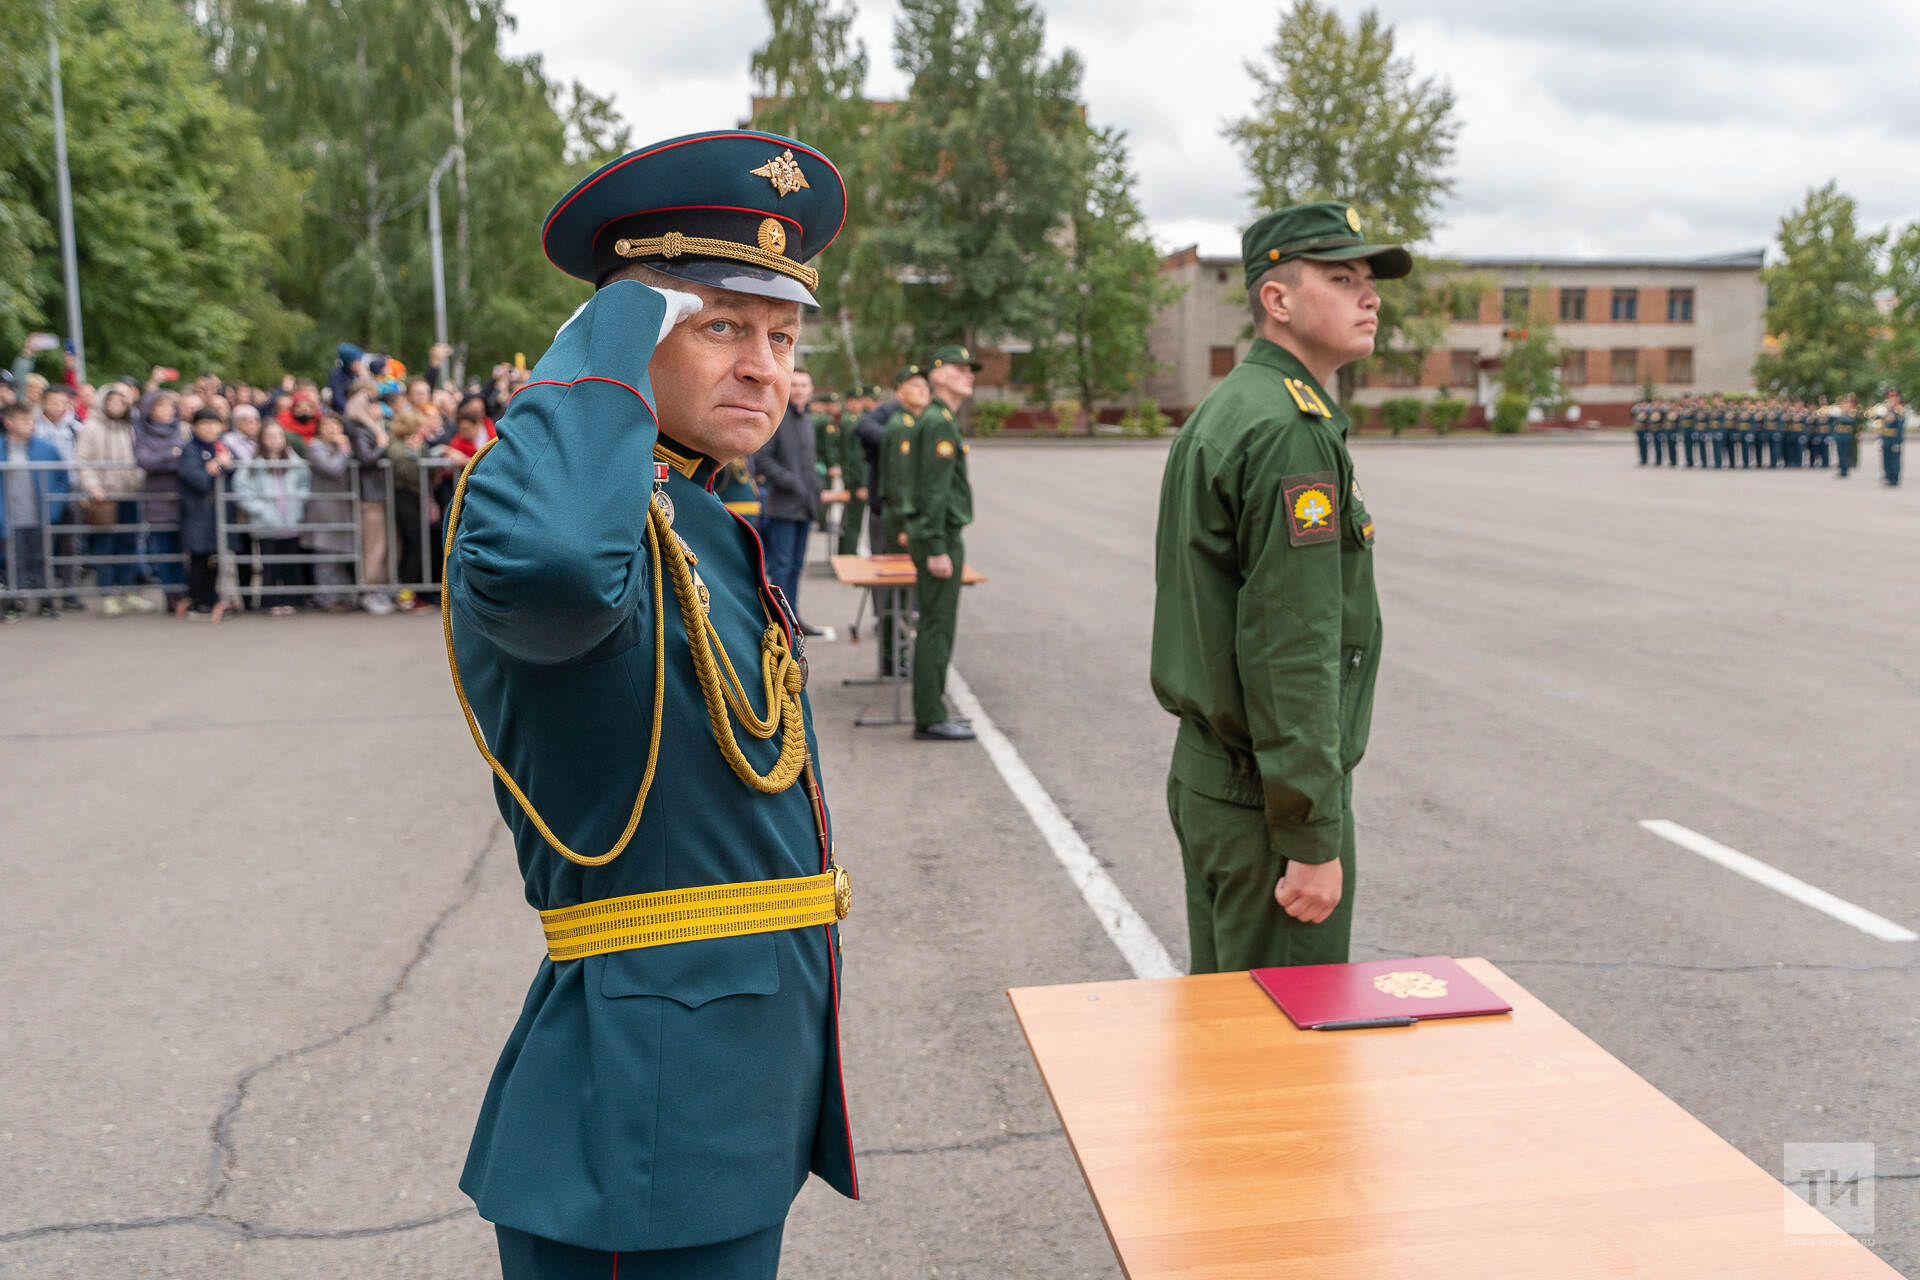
[1893, 433]
[1640, 412]
[868, 430]
[789, 493]
[853, 471]
[1846, 421]
[942, 505]
[1266, 625]
[675, 1071]
[892, 485]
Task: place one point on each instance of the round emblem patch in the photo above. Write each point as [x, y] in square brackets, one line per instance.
[944, 449]
[1311, 509]
[773, 236]
[906, 446]
[1416, 983]
[1353, 220]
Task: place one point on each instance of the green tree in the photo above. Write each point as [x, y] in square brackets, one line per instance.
[1340, 117]
[1530, 361]
[363, 98]
[1820, 307]
[987, 170]
[809, 80]
[170, 192]
[1897, 359]
[1109, 290]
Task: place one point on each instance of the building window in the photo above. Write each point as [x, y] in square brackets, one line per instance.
[1220, 361]
[1464, 370]
[1626, 305]
[1573, 306]
[1515, 305]
[1573, 369]
[1680, 306]
[1680, 364]
[1623, 368]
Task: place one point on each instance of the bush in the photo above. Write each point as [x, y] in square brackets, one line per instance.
[1401, 413]
[990, 416]
[1445, 413]
[1145, 419]
[1510, 414]
[1066, 415]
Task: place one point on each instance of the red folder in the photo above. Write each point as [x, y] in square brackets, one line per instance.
[1381, 992]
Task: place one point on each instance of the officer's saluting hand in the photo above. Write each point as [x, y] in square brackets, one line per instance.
[1266, 635]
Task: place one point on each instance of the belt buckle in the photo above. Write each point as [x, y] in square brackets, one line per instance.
[842, 894]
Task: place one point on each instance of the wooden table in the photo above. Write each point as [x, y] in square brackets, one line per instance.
[893, 577]
[1221, 1142]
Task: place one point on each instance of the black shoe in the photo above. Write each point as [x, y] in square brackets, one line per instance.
[808, 630]
[945, 731]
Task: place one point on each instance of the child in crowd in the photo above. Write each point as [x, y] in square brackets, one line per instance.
[203, 459]
[414, 515]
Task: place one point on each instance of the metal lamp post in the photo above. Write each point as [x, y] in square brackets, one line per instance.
[69, 259]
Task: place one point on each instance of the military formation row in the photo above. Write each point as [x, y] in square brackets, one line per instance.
[1713, 431]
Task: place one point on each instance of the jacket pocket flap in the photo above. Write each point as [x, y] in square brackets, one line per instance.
[695, 972]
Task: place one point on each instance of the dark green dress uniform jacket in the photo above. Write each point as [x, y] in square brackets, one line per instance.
[676, 1095]
[853, 459]
[1266, 628]
[942, 492]
[896, 479]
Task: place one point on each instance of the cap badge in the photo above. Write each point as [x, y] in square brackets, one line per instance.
[783, 171]
[773, 236]
[1353, 220]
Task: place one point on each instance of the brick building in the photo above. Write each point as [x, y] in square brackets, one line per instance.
[1683, 324]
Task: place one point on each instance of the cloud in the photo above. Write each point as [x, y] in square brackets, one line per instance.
[1669, 127]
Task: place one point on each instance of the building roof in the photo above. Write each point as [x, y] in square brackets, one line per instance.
[1739, 260]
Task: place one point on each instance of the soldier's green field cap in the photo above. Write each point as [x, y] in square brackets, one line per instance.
[953, 355]
[1327, 231]
[908, 371]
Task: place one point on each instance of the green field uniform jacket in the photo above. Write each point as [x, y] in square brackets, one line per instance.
[1266, 625]
[942, 493]
[896, 467]
[853, 459]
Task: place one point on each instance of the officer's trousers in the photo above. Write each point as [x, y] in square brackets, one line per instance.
[1890, 461]
[1843, 448]
[850, 521]
[754, 1257]
[933, 642]
[1233, 920]
[1640, 438]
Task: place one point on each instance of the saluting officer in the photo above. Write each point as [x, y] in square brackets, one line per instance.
[675, 1071]
[942, 505]
[1266, 627]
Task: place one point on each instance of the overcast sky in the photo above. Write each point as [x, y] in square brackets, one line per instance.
[1664, 127]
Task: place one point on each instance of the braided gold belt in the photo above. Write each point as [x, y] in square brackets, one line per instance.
[683, 915]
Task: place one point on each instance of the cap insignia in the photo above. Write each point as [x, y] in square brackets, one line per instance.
[1353, 220]
[783, 171]
[773, 236]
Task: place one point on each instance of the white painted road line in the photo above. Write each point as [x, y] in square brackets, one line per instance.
[1143, 951]
[1799, 890]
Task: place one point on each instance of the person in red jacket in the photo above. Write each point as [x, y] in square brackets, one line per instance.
[301, 417]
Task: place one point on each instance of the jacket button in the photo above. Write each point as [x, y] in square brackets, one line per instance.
[1356, 657]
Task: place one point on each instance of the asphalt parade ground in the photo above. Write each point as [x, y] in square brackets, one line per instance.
[266, 934]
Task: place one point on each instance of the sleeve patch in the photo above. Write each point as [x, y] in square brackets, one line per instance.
[1313, 508]
[944, 449]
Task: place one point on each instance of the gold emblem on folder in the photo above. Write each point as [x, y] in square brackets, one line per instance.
[1417, 983]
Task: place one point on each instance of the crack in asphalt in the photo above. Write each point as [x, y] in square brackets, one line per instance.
[220, 1160]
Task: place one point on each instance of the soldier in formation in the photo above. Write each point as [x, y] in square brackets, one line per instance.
[1767, 432]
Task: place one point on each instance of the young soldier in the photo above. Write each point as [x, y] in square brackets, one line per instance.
[942, 507]
[1893, 433]
[1266, 627]
[675, 1072]
[893, 486]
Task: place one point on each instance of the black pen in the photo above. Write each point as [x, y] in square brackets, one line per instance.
[1359, 1023]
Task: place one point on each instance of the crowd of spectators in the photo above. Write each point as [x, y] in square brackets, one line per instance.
[142, 465]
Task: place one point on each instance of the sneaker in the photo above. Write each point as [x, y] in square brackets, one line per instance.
[280, 611]
[12, 615]
[405, 600]
[198, 615]
[377, 603]
[47, 610]
[112, 607]
[137, 603]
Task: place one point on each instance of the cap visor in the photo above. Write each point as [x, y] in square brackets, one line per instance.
[1389, 261]
[737, 277]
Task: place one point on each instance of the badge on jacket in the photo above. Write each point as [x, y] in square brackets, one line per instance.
[1313, 508]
